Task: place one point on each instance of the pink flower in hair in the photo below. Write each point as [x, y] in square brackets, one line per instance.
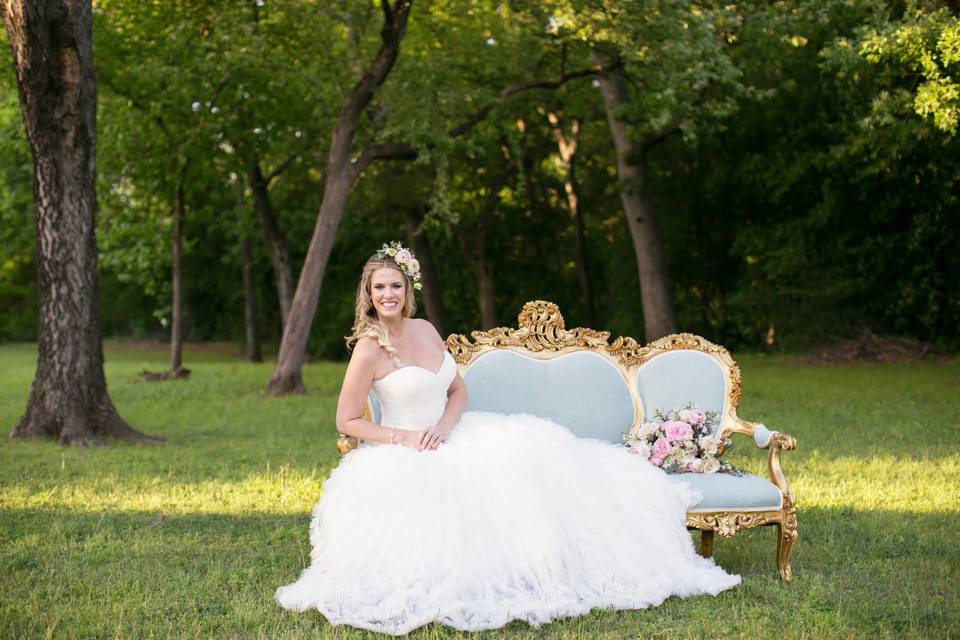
[403, 257]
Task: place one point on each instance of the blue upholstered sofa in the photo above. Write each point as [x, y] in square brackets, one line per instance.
[602, 389]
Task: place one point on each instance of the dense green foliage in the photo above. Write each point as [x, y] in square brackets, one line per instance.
[807, 184]
[191, 538]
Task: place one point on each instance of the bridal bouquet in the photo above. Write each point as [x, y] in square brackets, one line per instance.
[682, 440]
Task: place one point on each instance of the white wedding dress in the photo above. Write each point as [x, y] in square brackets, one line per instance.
[514, 517]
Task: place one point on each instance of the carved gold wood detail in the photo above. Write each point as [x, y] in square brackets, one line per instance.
[788, 538]
[727, 523]
[346, 444]
[780, 442]
[540, 328]
[628, 351]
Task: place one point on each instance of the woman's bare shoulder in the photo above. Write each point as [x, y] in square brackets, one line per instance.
[366, 351]
[427, 328]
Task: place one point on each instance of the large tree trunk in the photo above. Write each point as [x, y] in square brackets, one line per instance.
[53, 57]
[254, 353]
[488, 297]
[432, 294]
[474, 254]
[567, 145]
[473, 246]
[276, 241]
[658, 317]
[176, 320]
[341, 175]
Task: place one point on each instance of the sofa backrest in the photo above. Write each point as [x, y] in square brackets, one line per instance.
[583, 390]
[677, 378]
[684, 368]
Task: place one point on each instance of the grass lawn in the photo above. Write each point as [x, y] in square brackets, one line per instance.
[190, 538]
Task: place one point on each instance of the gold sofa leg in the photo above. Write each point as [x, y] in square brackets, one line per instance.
[706, 543]
[786, 537]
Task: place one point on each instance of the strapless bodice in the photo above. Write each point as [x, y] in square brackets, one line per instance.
[412, 397]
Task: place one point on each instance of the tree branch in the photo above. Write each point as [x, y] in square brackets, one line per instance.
[384, 151]
[341, 140]
[477, 116]
[658, 137]
[281, 167]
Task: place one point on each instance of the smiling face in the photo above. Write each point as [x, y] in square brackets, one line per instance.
[388, 291]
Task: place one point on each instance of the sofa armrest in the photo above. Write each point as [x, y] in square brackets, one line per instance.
[774, 442]
[346, 444]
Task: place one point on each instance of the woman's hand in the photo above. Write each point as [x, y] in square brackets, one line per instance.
[409, 438]
[432, 438]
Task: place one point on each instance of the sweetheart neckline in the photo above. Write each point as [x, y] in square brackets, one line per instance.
[443, 361]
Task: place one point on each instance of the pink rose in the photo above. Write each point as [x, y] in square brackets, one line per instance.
[403, 257]
[661, 449]
[693, 416]
[675, 431]
[692, 464]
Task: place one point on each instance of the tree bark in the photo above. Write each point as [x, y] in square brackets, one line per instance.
[53, 58]
[341, 175]
[658, 318]
[473, 246]
[488, 297]
[431, 292]
[176, 319]
[567, 146]
[276, 241]
[254, 353]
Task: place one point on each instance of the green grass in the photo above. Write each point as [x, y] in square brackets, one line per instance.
[190, 538]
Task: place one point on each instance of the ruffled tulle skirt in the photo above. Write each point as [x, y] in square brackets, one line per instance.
[513, 518]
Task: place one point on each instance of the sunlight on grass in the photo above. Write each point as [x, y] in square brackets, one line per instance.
[880, 482]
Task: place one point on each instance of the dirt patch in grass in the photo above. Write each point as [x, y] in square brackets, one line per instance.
[870, 347]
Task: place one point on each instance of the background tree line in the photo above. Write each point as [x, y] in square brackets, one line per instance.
[787, 171]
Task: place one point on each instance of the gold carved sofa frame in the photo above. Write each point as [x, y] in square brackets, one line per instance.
[541, 334]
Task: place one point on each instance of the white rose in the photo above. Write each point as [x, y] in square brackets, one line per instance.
[711, 465]
[642, 449]
[708, 444]
[647, 429]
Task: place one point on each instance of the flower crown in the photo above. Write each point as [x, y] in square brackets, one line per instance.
[404, 259]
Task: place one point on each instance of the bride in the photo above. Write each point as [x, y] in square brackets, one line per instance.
[476, 519]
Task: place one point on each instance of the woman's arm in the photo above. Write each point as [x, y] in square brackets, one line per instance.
[353, 400]
[456, 401]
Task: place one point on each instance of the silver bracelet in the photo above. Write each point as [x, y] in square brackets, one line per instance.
[393, 431]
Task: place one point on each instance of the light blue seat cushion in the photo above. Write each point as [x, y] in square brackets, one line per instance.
[675, 378]
[726, 492]
[582, 391]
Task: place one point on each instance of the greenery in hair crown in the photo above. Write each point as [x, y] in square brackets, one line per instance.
[404, 259]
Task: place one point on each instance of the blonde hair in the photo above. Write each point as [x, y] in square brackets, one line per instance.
[366, 323]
